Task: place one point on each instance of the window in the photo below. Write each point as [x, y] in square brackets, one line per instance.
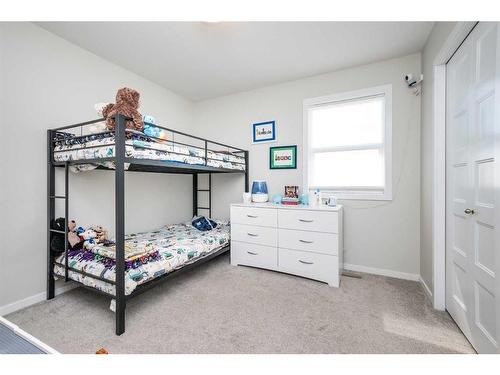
[347, 144]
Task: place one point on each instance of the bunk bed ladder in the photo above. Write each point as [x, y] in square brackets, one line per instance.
[51, 198]
[195, 195]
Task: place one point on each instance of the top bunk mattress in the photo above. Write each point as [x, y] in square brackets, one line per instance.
[140, 146]
[148, 255]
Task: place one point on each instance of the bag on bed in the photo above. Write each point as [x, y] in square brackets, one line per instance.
[57, 242]
[204, 224]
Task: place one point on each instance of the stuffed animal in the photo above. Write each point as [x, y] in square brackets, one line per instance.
[73, 238]
[99, 127]
[101, 233]
[127, 104]
[152, 130]
[88, 234]
[93, 235]
[148, 119]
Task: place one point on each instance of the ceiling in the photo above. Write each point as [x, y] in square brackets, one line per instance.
[201, 60]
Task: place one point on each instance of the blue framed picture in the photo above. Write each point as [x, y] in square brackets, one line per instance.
[264, 132]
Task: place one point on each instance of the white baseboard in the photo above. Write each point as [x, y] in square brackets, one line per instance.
[426, 288]
[18, 305]
[382, 272]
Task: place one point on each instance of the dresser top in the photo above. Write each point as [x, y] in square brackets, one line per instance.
[289, 207]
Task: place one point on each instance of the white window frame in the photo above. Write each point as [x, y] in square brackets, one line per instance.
[352, 192]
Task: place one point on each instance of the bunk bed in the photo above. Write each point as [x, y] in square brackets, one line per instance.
[121, 150]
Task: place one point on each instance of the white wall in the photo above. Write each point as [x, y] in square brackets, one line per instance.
[47, 82]
[436, 40]
[377, 234]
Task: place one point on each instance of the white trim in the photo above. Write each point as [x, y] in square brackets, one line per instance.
[439, 189]
[368, 146]
[497, 190]
[386, 92]
[25, 335]
[456, 37]
[18, 305]
[426, 289]
[382, 272]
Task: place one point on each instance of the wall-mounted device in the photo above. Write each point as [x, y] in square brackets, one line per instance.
[414, 83]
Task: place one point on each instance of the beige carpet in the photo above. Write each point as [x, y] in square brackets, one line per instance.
[217, 308]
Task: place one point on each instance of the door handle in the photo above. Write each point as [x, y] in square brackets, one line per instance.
[253, 234]
[304, 241]
[252, 216]
[469, 211]
[249, 252]
[304, 262]
[306, 221]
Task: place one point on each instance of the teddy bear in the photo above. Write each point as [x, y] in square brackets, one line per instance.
[101, 234]
[99, 127]
[93, 235]
[127, 104]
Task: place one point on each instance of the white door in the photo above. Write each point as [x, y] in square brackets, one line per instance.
[470, 189]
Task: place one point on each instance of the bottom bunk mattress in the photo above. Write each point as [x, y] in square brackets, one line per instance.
[148, 255]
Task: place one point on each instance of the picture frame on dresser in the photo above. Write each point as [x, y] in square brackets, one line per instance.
[299, 240]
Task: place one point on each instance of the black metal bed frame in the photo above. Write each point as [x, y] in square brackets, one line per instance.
[139, 165]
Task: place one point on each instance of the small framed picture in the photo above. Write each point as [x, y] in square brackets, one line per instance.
[291, 191]
[264, 132]
[283, 157]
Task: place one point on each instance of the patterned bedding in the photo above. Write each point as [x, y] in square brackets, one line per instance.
[148, 255]
[140, 146]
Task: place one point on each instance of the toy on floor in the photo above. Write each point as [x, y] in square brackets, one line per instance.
[102, 351]
[99, 127]
[152, 130]
[127, 104]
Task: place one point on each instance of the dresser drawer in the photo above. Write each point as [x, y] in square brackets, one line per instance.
[314, 266]
[254, 234]
[254, 255]
[266, 217]
[317, 242]
[308, 220]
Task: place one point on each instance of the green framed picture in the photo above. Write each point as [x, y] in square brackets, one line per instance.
[283, 157]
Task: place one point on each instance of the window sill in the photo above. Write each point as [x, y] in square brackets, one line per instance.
[361, 195]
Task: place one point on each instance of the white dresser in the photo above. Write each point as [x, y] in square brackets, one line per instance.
[300, 240]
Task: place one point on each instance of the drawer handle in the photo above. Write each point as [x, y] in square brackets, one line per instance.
[304, 241]
[306, 221]
[249, 252]
[252, 216]
[304, 262]
[252, 234]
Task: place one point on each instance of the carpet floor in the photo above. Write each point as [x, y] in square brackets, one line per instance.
[218, 308]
